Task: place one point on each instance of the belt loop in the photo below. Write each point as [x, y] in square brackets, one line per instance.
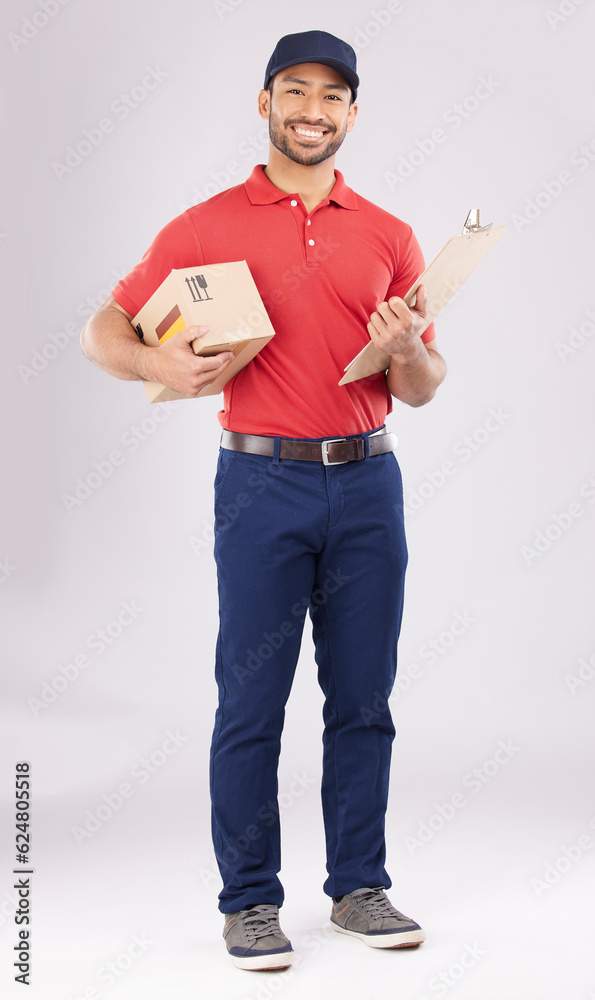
[276, 448]
[367, 440]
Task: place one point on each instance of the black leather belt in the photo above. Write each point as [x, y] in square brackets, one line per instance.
[331, 451]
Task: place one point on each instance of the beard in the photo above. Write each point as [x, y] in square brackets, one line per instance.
[301, 154]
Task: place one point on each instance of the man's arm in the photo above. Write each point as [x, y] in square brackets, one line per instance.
[416, 369]
[415, 381]
[109, 340]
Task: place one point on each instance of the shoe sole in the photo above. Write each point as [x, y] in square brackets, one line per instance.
[264, 962]
[401, 939]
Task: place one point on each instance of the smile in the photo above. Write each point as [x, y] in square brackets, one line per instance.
[309, 134]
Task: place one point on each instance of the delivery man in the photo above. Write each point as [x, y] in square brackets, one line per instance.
[309, 471]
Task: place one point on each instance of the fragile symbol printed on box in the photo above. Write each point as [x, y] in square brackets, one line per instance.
[195, 282]
[228, 304]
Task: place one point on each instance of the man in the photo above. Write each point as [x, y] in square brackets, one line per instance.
[320, 521]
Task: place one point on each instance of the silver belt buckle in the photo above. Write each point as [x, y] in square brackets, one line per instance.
[324, 450]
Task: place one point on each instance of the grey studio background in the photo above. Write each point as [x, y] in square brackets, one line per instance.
[108, 585]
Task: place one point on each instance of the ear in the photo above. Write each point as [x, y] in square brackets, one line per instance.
[352, 116]
[264, 104]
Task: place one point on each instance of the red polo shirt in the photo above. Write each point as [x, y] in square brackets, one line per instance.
[320, 274]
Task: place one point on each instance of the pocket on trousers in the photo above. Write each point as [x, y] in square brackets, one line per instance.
[398, 487]
[223, 463]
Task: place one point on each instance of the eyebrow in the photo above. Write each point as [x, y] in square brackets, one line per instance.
[308, 83]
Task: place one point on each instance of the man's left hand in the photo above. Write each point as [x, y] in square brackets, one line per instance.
[395, 327]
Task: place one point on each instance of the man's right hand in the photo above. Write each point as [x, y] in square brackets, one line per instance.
[175, 364]
[110, 341]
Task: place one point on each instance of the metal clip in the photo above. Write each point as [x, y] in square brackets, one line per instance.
[472, 223]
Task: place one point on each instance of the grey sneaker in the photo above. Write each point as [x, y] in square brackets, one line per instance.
[254, 939]
[369, 915]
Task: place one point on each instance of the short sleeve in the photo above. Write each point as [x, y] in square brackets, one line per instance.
[176, 245]
[410, 264]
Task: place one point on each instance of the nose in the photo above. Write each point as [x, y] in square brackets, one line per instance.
[314, 107]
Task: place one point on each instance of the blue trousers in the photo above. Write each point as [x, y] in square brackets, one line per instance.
[293, 537]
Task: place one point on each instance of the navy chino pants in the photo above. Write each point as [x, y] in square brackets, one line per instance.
[293, 537]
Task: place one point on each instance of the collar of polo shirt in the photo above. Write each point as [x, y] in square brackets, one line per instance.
[261, 191]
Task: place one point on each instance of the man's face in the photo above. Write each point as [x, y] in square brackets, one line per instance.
[309, 112]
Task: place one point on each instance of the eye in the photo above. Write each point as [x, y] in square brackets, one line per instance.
[294, 90]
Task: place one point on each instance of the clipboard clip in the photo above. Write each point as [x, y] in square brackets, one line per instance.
[472, 223]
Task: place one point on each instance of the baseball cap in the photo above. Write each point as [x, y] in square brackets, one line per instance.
[317, 47]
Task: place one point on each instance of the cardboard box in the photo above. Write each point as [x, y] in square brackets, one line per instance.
[223, 297]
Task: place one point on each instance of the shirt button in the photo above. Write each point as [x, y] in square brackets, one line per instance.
[312, 243]
[294, 203]
[309, 222]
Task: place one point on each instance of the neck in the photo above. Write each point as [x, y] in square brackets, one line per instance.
[312, 183]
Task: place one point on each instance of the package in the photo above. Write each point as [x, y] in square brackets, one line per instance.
[223, 297]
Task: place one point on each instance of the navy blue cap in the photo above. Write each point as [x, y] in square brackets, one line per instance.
[315, 47]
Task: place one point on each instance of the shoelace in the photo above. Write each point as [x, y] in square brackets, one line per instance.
[376, 904]
[261, 921]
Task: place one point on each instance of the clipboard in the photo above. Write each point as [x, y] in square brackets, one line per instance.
[443, 277]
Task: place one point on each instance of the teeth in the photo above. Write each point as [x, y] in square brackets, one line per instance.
[310, 134]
